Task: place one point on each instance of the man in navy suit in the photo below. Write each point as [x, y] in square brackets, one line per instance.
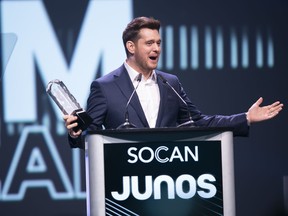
[155, 104]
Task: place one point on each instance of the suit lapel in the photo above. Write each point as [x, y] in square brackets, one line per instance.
[163, 95]
[125, 85]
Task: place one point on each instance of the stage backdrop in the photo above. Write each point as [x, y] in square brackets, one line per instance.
[226, 53]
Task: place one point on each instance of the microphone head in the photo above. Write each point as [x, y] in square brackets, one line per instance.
[139, 78]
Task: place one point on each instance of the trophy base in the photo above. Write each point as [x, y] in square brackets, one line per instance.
[84, 120]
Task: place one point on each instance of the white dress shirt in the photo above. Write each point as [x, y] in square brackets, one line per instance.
[148, 94]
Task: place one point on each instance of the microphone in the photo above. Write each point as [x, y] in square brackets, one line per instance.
[127, 124]
[190, 122]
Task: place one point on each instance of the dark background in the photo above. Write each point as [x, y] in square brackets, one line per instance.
[261, 159]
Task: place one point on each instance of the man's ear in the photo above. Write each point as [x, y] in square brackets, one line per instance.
[130, 46]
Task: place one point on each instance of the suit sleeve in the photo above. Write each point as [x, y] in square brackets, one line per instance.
[238, 122]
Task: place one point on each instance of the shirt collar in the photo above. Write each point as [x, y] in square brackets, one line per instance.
[133, 74]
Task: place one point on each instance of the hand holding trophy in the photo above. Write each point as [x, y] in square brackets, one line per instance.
[67, 103]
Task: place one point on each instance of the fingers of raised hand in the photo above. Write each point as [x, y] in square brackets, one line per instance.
[274, 109]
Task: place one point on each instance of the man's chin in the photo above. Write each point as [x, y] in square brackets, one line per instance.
[153, 66]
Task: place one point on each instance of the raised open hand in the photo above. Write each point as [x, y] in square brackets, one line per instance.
[257, 113]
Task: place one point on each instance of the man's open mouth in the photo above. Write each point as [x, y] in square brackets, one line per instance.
[153, 58]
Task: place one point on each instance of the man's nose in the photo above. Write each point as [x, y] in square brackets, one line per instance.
[156, 47]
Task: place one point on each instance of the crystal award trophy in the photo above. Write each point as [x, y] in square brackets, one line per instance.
[67, 103]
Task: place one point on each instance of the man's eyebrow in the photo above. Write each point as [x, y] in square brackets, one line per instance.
[153, 40]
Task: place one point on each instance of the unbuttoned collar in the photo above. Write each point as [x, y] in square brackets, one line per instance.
[133, 74]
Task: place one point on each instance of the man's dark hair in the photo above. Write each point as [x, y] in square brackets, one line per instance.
[131, 33]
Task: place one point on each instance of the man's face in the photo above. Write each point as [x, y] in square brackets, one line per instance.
[147, 50]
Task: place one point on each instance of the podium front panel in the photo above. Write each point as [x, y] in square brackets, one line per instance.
[160, 173]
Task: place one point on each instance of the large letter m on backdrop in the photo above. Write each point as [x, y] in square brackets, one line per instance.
[99, 40]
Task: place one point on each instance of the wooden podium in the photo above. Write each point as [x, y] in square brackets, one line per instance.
[161, 171]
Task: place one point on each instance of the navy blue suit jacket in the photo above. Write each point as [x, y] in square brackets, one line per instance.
[109, 95]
